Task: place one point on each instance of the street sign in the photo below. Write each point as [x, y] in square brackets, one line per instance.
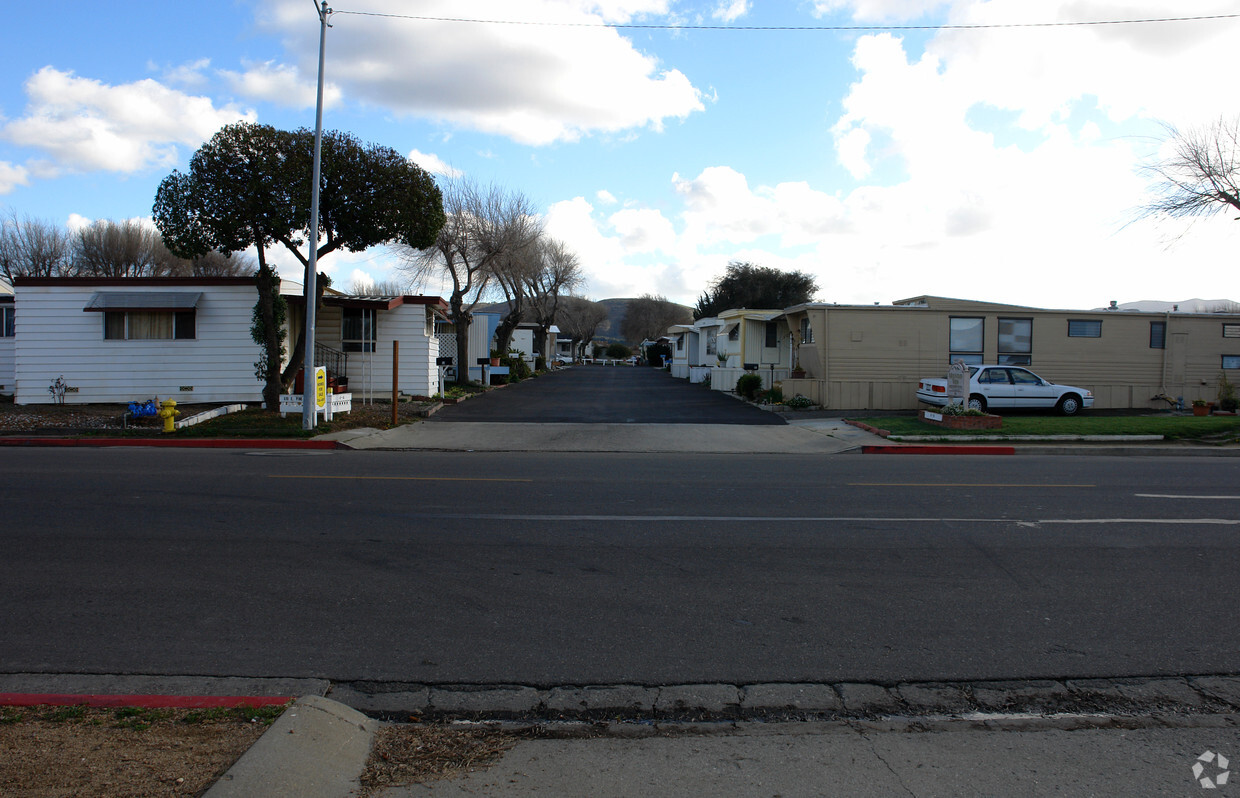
[320, 387]
[957, 382]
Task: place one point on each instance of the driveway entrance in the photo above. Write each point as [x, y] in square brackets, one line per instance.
[607, 395]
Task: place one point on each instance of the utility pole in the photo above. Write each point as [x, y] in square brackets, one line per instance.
[309, 414]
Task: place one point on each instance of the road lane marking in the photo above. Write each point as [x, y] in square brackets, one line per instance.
[406, 479]
[1182, 496]
[967, 485]
[748, 519]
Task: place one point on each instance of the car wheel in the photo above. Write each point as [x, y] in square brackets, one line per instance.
[977, 402]
[1070, 404]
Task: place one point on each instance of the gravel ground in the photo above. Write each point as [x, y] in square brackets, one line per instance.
[37, 418]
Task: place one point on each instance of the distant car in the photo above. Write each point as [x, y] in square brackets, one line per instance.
[999, 387]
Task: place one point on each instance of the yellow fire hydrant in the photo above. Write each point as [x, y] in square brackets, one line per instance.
[168, 412]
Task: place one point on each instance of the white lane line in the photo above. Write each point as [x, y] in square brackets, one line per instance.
[1182, 496]
[748, 519]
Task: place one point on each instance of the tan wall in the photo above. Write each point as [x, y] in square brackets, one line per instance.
[871, 358]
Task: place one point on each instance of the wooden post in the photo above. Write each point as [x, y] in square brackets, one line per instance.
[395, 378]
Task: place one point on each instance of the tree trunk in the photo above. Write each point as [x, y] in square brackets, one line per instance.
[503, 333]
[268, 285]
[297, 356]
[461, 320]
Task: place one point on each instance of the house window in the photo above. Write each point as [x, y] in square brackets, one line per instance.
[8, 315]
[772, 335]
[149, 325]
[680, 343]
[712, 344]
[357, 330]
[1015, 342]
[1231, 330]
[807, 332]
[966, 340]
[1158, 335]
[1084, 328]
[1231, 361]
[734, 332]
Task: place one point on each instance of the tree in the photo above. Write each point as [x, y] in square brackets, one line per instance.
[106, 248]
[745, 285]
[649, 316]
[33, 248]
[250, 185]
[380, 288]
[1202, 175]
[483, 225]
[512, 273]
[580, 318]
[559, 275]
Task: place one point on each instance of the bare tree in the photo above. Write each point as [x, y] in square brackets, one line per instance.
[560, 274]
[215, 264]
[1226, 306]
[649, 316]
[512, 274]
[32, 247]
[121, 249]
[379, 288]
[483, 225]
[580, 318]
[1202, 175]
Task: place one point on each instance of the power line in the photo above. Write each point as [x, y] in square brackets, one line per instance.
[856, 28]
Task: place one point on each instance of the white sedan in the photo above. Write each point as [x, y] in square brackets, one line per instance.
[998, 387]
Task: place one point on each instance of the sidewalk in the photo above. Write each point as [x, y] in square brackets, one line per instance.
[318, 748]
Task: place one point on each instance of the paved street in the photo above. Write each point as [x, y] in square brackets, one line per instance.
[607, 395]
[603, 568]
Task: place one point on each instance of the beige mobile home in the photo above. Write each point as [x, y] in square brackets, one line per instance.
[870, 357]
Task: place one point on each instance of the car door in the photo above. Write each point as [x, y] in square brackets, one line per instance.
[994, 384]
[1030, 390]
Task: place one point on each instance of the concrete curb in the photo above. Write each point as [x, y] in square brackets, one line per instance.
[170, 443]
[790, 701]
[316, 749]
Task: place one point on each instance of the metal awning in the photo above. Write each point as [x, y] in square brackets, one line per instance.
[143, 300]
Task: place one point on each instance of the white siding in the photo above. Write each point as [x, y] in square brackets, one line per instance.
[7, 365]
[370, 373]
[58, 339]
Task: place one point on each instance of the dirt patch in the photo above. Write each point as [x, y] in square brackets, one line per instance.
[407, 754]
[51, 752]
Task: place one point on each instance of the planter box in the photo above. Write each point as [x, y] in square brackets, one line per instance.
[961, 422]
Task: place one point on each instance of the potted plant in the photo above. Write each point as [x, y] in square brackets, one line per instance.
[1201, 407]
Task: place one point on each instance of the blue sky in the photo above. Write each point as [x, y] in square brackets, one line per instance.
[998, 163]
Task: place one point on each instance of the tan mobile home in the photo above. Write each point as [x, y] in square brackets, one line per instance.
[871, 356]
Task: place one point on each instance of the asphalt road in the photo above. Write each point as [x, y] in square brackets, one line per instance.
[607, 395]
[580, 569]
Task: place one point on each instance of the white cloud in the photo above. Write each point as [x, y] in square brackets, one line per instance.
[280, 84]
[644, 230]
[731, 10]
[191, 74]
[85, 125]
[433, 164]
[606, 197]
[879, 10]
[535, 84]
[12, 176]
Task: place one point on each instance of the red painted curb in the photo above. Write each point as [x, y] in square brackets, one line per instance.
[168, 443]
[946, 449]
[144, 701]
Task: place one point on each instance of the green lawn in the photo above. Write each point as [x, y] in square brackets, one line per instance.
[1171, 427]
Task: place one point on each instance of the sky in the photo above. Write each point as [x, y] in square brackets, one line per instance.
[867, 142]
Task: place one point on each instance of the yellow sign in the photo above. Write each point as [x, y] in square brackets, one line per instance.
[320, 387]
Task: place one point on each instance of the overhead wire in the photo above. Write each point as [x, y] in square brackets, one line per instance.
[792, 28]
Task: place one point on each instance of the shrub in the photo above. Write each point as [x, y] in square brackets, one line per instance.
[956, 409]
[775, 396]
[618, 351]
[540, 363]
[518, 369]
[1226, 394]
[748, 386]
[799, 402]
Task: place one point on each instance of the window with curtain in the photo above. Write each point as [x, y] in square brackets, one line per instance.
[1015, 342]
[357, 330]
[966, 339]
[149, 325]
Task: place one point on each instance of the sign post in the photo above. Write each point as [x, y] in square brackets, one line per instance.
[957, 383]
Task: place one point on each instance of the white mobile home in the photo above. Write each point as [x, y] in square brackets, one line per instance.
[123, 339]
